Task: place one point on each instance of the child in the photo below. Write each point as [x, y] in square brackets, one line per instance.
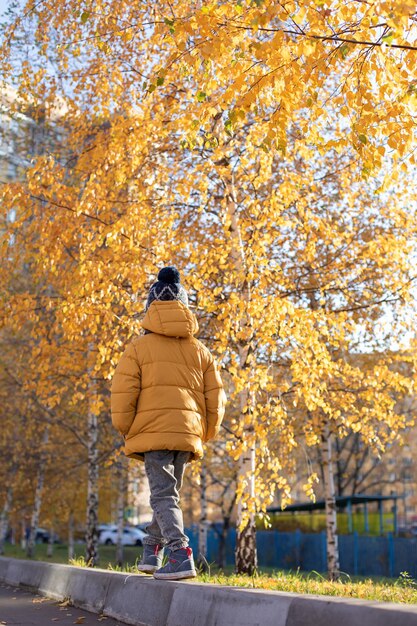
[167, 399]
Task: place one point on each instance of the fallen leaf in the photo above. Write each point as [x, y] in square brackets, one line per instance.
[80, 620]
[65, 603]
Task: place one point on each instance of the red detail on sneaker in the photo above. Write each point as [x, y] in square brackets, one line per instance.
[156, 549]
[189, 552]
[173, 561]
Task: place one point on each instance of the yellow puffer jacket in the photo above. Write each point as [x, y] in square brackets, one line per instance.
[167, 393]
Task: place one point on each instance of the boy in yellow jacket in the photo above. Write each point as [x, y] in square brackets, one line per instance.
[167, 399]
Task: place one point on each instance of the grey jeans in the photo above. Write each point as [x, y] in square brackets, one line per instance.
[165, 471]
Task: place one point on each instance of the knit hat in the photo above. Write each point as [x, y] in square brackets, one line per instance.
[168, 287]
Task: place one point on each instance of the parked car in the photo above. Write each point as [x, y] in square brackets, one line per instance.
[101, 528]
[131, 537]
[42, 536]
[142, 526]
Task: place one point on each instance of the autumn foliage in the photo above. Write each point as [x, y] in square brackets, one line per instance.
[265, 148]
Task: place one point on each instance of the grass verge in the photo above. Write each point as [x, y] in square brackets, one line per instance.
[400, 590]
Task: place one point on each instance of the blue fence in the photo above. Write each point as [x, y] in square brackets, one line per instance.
[359, 555]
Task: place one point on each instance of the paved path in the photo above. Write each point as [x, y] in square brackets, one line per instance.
[21, 608]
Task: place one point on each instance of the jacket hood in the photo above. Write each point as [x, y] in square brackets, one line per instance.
[170, 318]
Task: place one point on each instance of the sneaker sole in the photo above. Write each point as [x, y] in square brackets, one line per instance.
[177, 576]
[147, 569]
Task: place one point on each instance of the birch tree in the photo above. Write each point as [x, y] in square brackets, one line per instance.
[91, 538]
[121, 481]
[41, 467]
[4, 516]
[332, 548]
[203, 522]
[270, 122]
[71, 545]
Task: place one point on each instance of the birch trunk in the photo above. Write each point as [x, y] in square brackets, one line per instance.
[330, 499]
[91, 540]
[202, 523]
[221, 560]
[121, 502]
[4, 517]
[50, 548]
[245, 554]
[71, 550]
[23, 542]
[34, 523]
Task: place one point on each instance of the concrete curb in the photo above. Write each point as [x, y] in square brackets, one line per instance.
[142, 601]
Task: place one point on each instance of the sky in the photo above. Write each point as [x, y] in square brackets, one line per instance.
[3, 5]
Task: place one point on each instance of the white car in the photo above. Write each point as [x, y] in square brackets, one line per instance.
[101, 528]
[131, 537]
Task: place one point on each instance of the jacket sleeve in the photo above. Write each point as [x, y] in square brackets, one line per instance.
[215, 399]
[125, 390]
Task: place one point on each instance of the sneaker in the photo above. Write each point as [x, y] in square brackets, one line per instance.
[180, 565]
[151, 558]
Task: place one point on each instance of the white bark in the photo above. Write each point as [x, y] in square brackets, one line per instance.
[71, 551]
[23, 535]
[331, 513]
[91, 555]
[50, 548]
[202, 522]
[4, 517]
[246, 554]
[34, 523]
[121, 503]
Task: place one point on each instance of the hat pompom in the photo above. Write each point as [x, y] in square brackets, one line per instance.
[169, 275]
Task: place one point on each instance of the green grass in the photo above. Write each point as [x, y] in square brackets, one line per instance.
[107, 554]
[403, 589]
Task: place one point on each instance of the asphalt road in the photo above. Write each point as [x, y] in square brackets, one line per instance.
[21, 608]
